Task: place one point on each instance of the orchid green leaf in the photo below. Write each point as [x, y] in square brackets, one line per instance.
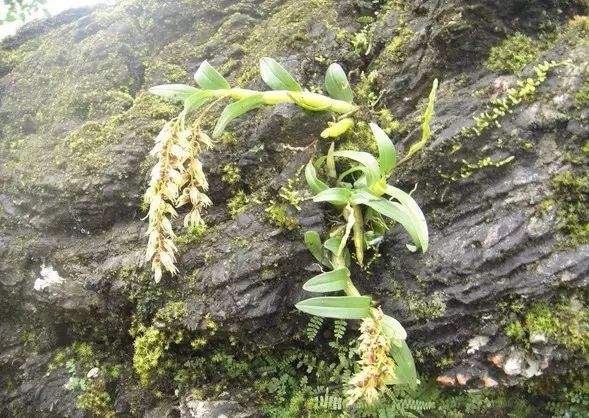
[313, 243]
[235, 110]
[366, 159]
[196, 100]
[387, 156]
[176, 92]
[337, 84]
[393, 329]
[338, 307]
[415, 213]
[276, 76]
[313, 181]
[334, 195]
[208, 78]
[405, 373]
[331, 281]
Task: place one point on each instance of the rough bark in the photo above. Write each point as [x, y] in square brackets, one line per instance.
[77, 126]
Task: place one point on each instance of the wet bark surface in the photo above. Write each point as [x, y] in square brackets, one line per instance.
[77, 125]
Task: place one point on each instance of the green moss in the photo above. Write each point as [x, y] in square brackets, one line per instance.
[158, 71]
[432, 306]
[238, 203]
[10, 58]
[91, 393]
[149, 347]
[359, 138]
[513, 54]
[289, 195]
[497, 109]
[231, 174]
[89, 148]
[171, 312]
[396, 50]
[365, 90]
[565, 322]
[389, 123]
[192, 235]
[30, 339]
[419, 302]
[467, 169]
[571, 196]
[229, 138]
[360, 41]
[516, 331]
[152, 342]
[289, 25]
[572, 397]
[278, 215]
[582, 96]
[96, 401]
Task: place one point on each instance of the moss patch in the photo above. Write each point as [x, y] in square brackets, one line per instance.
[566, 322]
[238, 203]
[572, 199]
[278, 215]
[513, 54]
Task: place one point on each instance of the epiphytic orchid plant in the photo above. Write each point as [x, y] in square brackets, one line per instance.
[366, 202]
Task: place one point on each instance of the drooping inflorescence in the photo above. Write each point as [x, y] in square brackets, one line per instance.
[376, 366]
[176, 180]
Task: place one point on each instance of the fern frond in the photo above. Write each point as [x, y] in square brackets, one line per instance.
[313, 327]
[339, 328]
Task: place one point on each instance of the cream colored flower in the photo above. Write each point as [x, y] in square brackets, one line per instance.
[176, 179]
[377, 367]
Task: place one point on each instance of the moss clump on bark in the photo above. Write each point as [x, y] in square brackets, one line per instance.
[513, 54]
[571, 197]
[565, 322]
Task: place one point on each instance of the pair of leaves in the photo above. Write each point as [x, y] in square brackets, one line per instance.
[369, 164]
[276, 76]
[209, 78]
[406, 212]
[206, 76]
[340, 307]
[415, 214]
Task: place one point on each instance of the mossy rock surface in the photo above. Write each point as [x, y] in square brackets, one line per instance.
[508, 258]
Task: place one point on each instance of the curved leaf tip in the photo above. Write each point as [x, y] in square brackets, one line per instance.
[276, 76]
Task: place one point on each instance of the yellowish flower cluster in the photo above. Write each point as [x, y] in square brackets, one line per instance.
[176, 179]
[377, 367]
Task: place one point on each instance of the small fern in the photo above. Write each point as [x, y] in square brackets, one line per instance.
[339, 328]
[313, 327]
[326, 401]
